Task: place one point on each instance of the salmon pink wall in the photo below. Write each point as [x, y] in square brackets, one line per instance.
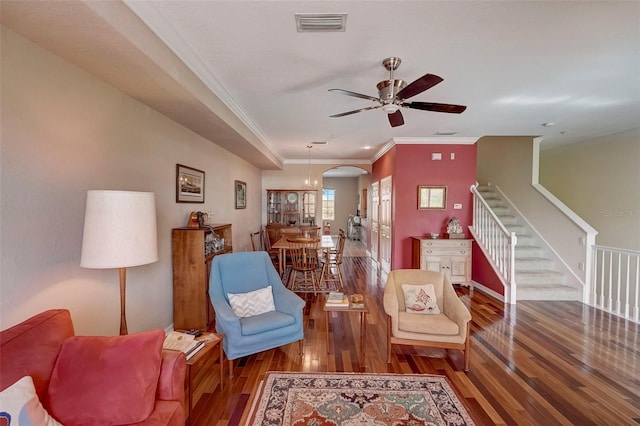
[384, 166]
[413, 167]
[482, 272]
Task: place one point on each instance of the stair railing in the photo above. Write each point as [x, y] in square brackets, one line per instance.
[615, 285]
[496, 242]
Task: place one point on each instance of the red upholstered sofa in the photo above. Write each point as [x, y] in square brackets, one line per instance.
[95, 380]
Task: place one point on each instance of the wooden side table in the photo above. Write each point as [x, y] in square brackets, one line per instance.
[362, 310]
[196, 364]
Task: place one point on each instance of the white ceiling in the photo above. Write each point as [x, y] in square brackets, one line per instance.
[264, 86]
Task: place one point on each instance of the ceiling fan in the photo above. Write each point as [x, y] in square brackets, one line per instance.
[393, 94]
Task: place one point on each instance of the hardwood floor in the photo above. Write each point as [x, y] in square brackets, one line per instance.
[536, 363]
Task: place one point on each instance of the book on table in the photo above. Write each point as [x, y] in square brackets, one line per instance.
[199, 345]
[337, 299]
[183, 342]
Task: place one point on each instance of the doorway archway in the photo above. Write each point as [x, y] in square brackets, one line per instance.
[344, 199]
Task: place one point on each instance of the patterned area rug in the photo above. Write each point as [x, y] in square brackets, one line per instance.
[302, 287]
[289, 399]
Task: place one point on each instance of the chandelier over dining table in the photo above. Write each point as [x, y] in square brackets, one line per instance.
[307, 182]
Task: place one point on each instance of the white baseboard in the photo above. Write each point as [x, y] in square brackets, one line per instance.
[168, 329]
[488, 291]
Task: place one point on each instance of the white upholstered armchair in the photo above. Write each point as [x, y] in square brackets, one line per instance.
[445, 326]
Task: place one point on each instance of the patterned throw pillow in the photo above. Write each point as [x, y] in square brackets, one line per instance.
[253, 303]
[420, 299]
[19, 405]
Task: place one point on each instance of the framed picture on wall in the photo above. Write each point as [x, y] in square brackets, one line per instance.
[432, 197]
[241, 194]
[189, 185]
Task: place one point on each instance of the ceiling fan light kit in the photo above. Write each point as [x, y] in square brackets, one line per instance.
[392, 95]
[390, 108]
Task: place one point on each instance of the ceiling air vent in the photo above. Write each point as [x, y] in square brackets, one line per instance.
[319, 142]
[320, 22]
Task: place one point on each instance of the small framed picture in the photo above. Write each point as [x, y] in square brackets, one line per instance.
[432, 197]
[189, 185]
[241, 194]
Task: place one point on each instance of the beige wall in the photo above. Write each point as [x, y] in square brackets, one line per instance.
[346, 200]
[64, 132]
[600, 181]
[511, 164]
[364, 182]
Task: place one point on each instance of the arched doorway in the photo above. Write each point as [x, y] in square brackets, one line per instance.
[345, 197]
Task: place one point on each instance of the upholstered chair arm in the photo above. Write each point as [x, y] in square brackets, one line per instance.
[288, 302]
[454, 308]
[226, 320]
[390, 299]
[172, 373]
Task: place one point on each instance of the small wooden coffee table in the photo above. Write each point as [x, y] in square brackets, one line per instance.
[362, 310]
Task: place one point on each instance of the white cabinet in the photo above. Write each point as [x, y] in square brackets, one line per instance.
[451, 257]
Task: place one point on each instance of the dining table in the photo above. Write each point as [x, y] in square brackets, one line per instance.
[326, 242]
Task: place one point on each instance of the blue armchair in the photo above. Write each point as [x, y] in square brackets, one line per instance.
[244, 272]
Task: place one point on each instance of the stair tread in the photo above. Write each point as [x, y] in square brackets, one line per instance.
[538, 272]
[546, 286]
[533, 258]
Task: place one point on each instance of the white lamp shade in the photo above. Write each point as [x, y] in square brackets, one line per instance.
[119, 230]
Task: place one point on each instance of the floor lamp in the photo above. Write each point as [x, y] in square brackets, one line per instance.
[119, 232]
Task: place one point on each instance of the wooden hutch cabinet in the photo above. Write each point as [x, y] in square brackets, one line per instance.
[193, 249]
[292, 207]
[452, 257]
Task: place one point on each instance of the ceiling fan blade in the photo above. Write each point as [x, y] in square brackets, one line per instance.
[354, 94]
[396, 119]
[430, 106]
[354, 111]
[425, 82]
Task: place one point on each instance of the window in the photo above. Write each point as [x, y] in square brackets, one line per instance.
[328, 204]
[309, 207]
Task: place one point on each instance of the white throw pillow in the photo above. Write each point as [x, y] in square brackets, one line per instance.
[19, 405]
[253, 303]
[420, 299]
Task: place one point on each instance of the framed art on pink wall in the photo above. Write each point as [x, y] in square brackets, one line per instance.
[432, 197]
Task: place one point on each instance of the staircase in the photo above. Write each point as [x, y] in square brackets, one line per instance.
[536, 276]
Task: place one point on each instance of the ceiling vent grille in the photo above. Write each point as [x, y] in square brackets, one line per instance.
[320, 22]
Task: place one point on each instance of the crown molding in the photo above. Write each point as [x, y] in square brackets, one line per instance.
[436, 140]
[328, 162]
[439, 140]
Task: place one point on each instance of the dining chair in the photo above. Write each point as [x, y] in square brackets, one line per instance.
[273, 232]
[331, 262]
[266, 244]
[290, 232]
[256, 241]
[335, 249]
[304, 260]
[310, 231]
